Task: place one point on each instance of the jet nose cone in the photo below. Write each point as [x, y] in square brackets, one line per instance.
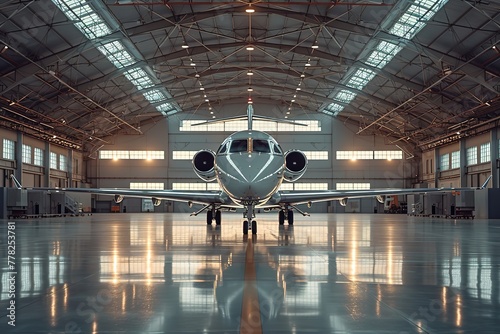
[248, 176]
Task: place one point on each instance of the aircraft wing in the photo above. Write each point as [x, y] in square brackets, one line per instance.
[302, 197]
[200, 197]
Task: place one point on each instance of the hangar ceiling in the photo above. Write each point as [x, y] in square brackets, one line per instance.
[420, 72]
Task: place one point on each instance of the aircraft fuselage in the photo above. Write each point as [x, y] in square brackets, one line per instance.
[250, 167]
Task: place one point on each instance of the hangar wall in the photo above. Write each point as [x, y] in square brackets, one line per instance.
[165, 135]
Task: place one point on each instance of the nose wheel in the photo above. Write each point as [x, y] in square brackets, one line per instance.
[249, 226]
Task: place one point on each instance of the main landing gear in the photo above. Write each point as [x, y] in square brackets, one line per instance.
[214, 214]
[285, 215]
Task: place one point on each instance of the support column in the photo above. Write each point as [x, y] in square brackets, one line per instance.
[46, 164]
[495, 161]
[18, 172]
[70, 168]
[437, 169]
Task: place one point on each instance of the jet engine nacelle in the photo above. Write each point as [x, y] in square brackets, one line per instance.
[380, 199]
[295, 165]
[343, 201]
[118, 198]
[203, 165]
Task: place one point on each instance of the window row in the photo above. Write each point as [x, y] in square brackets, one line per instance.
[471, 154]
[34, 156]
[284, 186]
[369, 155]
[268, 126]
[131, 155]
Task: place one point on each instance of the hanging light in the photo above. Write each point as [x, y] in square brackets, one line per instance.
[250, 89]
[250, 10]
[249, 72]
[315, 45]
[250, 48]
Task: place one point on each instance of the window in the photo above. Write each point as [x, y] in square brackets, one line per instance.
[352, 186]
[195, 186]
[53, 160]
[304, 186]
[444, 161]
[26, 154]
[455, 159]
[316, 155]
[485, 153]
[126, 155]
[354, 155]
[62, 163]
[147, 185]
[472, 155]
[38, 157]
[8, 149]
[388, 155]
[183, 155]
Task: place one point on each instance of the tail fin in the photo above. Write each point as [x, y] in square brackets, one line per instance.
[250, 116]
[16, 182]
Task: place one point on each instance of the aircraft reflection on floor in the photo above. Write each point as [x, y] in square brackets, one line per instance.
[350, 272]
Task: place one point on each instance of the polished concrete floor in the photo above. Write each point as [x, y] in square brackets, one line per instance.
[330, 273]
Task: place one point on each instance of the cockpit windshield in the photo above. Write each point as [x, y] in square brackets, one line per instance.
[261, 146]
[238, 146]
[250, 145]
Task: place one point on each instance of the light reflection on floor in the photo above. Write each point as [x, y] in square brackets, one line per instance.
[328, 273]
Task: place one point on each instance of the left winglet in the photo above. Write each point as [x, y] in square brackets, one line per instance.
[18, 184]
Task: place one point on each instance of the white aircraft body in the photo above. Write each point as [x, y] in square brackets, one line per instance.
[250, 167]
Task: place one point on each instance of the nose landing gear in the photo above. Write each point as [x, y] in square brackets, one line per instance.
[247, 224]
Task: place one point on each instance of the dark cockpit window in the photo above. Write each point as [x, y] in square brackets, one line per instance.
[261, 146]
[222, 149]
[238, 146]
[277, 149]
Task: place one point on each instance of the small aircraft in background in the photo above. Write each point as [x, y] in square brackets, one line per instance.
[250, 166]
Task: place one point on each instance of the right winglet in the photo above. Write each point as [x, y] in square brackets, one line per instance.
[486, 182]
[16, 182]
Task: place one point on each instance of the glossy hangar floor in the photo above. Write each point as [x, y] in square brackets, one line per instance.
[330, 273]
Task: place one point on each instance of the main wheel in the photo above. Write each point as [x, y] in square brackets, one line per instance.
[254, 227]
[290, 217]
[245, 227]
[281, 217]
[209, 217]
[218, 218]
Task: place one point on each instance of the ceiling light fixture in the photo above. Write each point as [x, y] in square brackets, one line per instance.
[315, 45]
[250, 89]
[196, 75]
[201, 88]
[249, 72]
[184, 45]
[250, 10]
[250, 48]
[192, 64]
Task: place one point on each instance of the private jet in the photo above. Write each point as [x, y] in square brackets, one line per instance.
[250, 167]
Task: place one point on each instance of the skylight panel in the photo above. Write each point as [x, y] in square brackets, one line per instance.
[360, 78]
[139, 78]
[407, 26]
[334, 108]
[154, 96]
[92, 25]
[383, 54]
[84, 18]
[164, 107]
[345, 96]
[117, 54]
